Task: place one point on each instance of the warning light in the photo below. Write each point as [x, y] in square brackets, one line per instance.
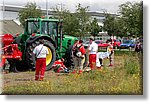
[42, 17]
[33, 34]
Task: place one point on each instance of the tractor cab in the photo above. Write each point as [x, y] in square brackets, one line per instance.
[42, 27]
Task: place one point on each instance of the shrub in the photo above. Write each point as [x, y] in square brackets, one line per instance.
[132, 64]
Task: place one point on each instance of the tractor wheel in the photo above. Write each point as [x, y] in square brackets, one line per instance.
[20, 66]
[69, 59]
[50, 59]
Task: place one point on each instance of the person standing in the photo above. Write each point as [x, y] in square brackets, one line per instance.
[138, 47]
[110, 50]
[78, 52]
[93, 49]
[40, 52]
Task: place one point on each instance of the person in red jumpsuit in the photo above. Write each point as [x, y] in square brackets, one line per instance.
[59, 66]
[40, 52]
[93, 49]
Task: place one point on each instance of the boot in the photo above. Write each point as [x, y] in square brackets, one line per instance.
[73, 72]
[110, 65]
[80, 71]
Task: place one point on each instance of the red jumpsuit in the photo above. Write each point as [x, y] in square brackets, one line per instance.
[40, 68]
[59, 64]
[40, 51]
[93, 49]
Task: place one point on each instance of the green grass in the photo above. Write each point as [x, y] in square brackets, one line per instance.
[109, 81]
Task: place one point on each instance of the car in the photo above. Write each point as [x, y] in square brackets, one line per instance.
[86, 44]
[127, 44]
[116, 43]
[99, 42]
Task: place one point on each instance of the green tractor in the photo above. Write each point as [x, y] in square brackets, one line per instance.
[49, 30]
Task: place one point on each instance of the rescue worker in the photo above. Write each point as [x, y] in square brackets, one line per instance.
[111, 51]
[93, 49]
[78, 52]
[40, 52]
[59, 66]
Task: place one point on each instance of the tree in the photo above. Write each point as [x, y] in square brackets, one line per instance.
[83, 18]
[129, 22]
[120, 28]
[95, 28]
[70, 21]
[29, 11]
[70, 24]
[75, 24]
[132, 16]
[110, 24]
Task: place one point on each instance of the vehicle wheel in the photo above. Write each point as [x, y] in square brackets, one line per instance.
[50, 59]
[69, 59]
[20, 66]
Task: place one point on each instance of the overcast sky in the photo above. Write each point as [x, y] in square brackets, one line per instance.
[94, 5]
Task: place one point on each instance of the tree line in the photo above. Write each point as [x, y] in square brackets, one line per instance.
[128, 21]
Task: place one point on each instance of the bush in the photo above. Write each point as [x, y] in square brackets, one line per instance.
[132, 64]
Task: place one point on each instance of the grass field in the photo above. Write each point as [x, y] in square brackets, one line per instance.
[124, 78]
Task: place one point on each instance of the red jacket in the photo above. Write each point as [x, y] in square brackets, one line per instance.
[61, 64]
[82, 50]
[58, 62]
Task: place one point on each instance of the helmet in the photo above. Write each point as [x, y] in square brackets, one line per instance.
[79, 54]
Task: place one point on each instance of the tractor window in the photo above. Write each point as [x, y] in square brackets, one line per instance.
[52, 28]
[45, 27]
[49, 28]
[32, 27]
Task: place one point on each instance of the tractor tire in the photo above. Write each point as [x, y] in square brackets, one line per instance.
[50, 59]
[20, 66]
[69, 59]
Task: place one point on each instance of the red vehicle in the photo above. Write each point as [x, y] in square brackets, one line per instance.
[116, 43]
[101, 43]
[9, 50]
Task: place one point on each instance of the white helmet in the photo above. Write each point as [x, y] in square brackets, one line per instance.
[78, 54]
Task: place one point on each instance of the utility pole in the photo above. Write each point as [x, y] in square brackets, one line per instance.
[3, 9]
[61, 9]
[61, 35]
[46, 8]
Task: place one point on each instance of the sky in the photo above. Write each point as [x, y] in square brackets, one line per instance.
[110, 6]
